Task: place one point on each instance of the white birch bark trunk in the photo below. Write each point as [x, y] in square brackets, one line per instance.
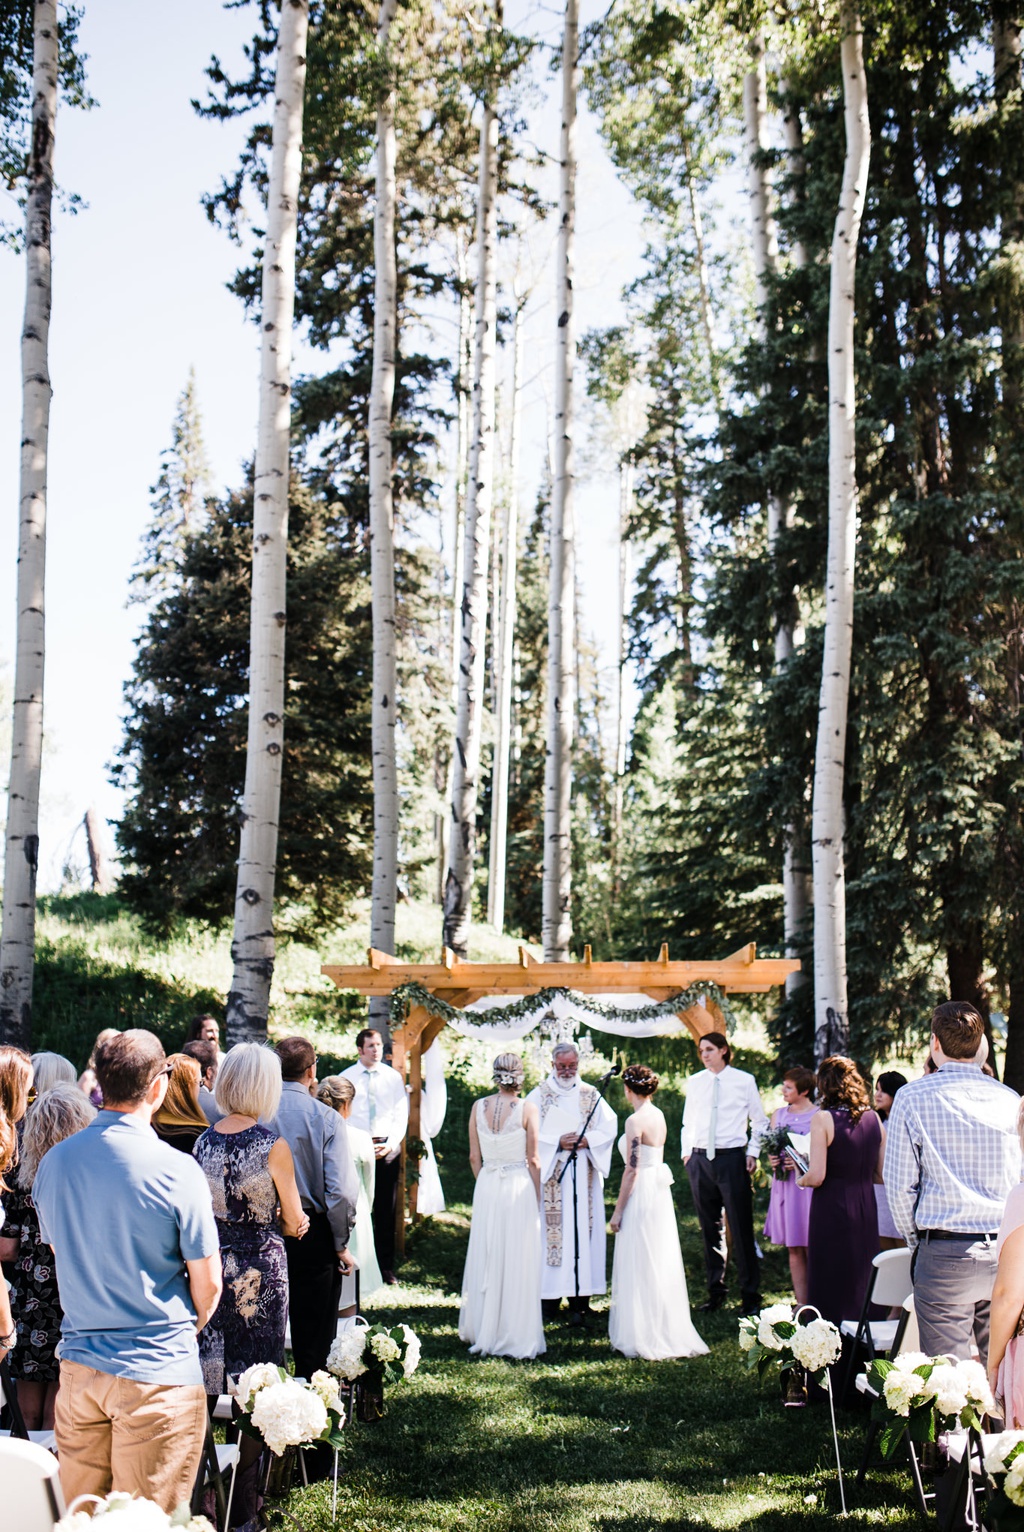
[626, 476]
[252, 949]
[827, 827]
[21, 863]
[458, 888]
[383, 708]
[100, 876]
[503, 652]
[556, 919]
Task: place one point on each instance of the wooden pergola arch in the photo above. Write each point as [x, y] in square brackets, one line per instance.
[460, 983]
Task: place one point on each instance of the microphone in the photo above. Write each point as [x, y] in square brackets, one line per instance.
[616, 1069]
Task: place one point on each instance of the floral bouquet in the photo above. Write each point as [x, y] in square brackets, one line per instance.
[1004, 1465]
[390, 1354]
[778, 1338]
[132, 1515]
[283, 1411]
[775, 1142]
[919, 1395]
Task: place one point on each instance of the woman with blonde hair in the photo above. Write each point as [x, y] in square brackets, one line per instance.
[181, 1121]
[501, 1312]
[338, 1092]
[35, 1300]
[847, 1151]
[15, 1083]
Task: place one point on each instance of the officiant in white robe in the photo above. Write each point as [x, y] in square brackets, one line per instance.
[564, 1102]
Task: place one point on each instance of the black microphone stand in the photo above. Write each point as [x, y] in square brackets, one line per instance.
[572, 1160]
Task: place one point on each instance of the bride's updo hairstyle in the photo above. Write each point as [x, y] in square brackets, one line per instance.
[641, 1080]
[508, 1071]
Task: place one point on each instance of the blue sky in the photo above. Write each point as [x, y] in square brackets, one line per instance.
[139, 298]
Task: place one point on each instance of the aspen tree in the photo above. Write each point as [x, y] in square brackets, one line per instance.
[458, 888]
[827, 822]
[252, 949]
[556, 924]
[21, 864]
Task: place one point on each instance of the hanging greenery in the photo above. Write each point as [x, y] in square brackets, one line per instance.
[410, 994]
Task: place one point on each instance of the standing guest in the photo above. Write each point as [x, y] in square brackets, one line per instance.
[572, 1200]
[951, 1161]
[15, 1084]
[847, 1148]
[500, 1313]
[1006, 1346]
[35, 1298]
[138, 1262]
[87, 1080]
[249, 1171]
[886, 1086]
[179, 1121]
[205, 1055]
[650, 1312]
[789, 1206]
[338, 1093]
[380, 1108]
[49, 1069]
[329, 1192]
[722, 1108]
[204, 1029]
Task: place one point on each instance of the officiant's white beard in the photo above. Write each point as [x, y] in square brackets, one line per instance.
[564, 1085]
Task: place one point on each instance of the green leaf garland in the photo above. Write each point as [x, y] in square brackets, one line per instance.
[410, 994]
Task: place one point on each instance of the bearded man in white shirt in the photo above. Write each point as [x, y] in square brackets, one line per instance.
[721, 1102]
[380, 1108]
[564, 1103]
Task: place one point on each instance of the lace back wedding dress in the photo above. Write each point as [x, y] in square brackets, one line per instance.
[650, 1312]
[500, 1313]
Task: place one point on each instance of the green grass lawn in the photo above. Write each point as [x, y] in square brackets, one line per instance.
[583, 1440]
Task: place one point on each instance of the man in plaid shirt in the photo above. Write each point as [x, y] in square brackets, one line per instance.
[951, 1157]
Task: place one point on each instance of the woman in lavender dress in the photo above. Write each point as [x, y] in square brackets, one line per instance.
[251, 1174]
[847, 1149]
[790, 1204]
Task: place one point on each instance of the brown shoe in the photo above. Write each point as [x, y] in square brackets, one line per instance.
[389, 1277]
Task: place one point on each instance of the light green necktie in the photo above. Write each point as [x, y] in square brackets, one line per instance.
[713, 1129]
[371, 1092]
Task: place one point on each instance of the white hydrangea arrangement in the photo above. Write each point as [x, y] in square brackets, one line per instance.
[1004, 1465]
[777, 1337]
[390, 1354]
[132, 1515]
[922, 1395]
[283, 1411]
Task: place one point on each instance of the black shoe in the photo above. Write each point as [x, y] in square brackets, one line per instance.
[715, 1301]
[577, 1320]
[748, 1308]
[389, 1277]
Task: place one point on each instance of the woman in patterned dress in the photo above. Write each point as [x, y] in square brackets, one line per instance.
[251, 1175]
[35, 1297]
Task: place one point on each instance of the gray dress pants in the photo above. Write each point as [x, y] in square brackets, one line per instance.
[953, 1295]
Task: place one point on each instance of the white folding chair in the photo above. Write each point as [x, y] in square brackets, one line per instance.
[890, 1284]
[32, 1501]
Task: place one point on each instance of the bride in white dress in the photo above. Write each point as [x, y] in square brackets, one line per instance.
[650, 1312]
[500, 1313]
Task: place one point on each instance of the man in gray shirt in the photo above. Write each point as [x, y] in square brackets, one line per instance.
[328, 1188]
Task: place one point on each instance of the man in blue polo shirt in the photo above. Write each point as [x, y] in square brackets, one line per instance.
[132, 1228]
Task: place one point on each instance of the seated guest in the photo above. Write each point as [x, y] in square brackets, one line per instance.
[381, 1109]
[15, 1084]
[179, 1120]
[205, 1055]
[49, 1069]
[35, 1298]
[138, 1262]
[249, 1171]
[87, 1079]
[338, 1093]
[329, 1191]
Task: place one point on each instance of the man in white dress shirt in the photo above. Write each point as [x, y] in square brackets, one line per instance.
[380, 1108]
[564, 1102]
[721, 1103]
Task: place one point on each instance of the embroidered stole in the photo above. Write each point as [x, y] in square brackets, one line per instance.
[553, 1188]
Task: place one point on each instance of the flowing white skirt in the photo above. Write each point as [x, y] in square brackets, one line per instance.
[650, 1313]
[500, 1313]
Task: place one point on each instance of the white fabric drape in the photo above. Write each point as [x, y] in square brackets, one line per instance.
[433, 1106]
[562, 1008]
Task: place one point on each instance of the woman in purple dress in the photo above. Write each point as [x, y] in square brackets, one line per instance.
[847, 1149]
[790, 1205]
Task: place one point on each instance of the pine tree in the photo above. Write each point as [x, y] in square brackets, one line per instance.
[179, 500]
